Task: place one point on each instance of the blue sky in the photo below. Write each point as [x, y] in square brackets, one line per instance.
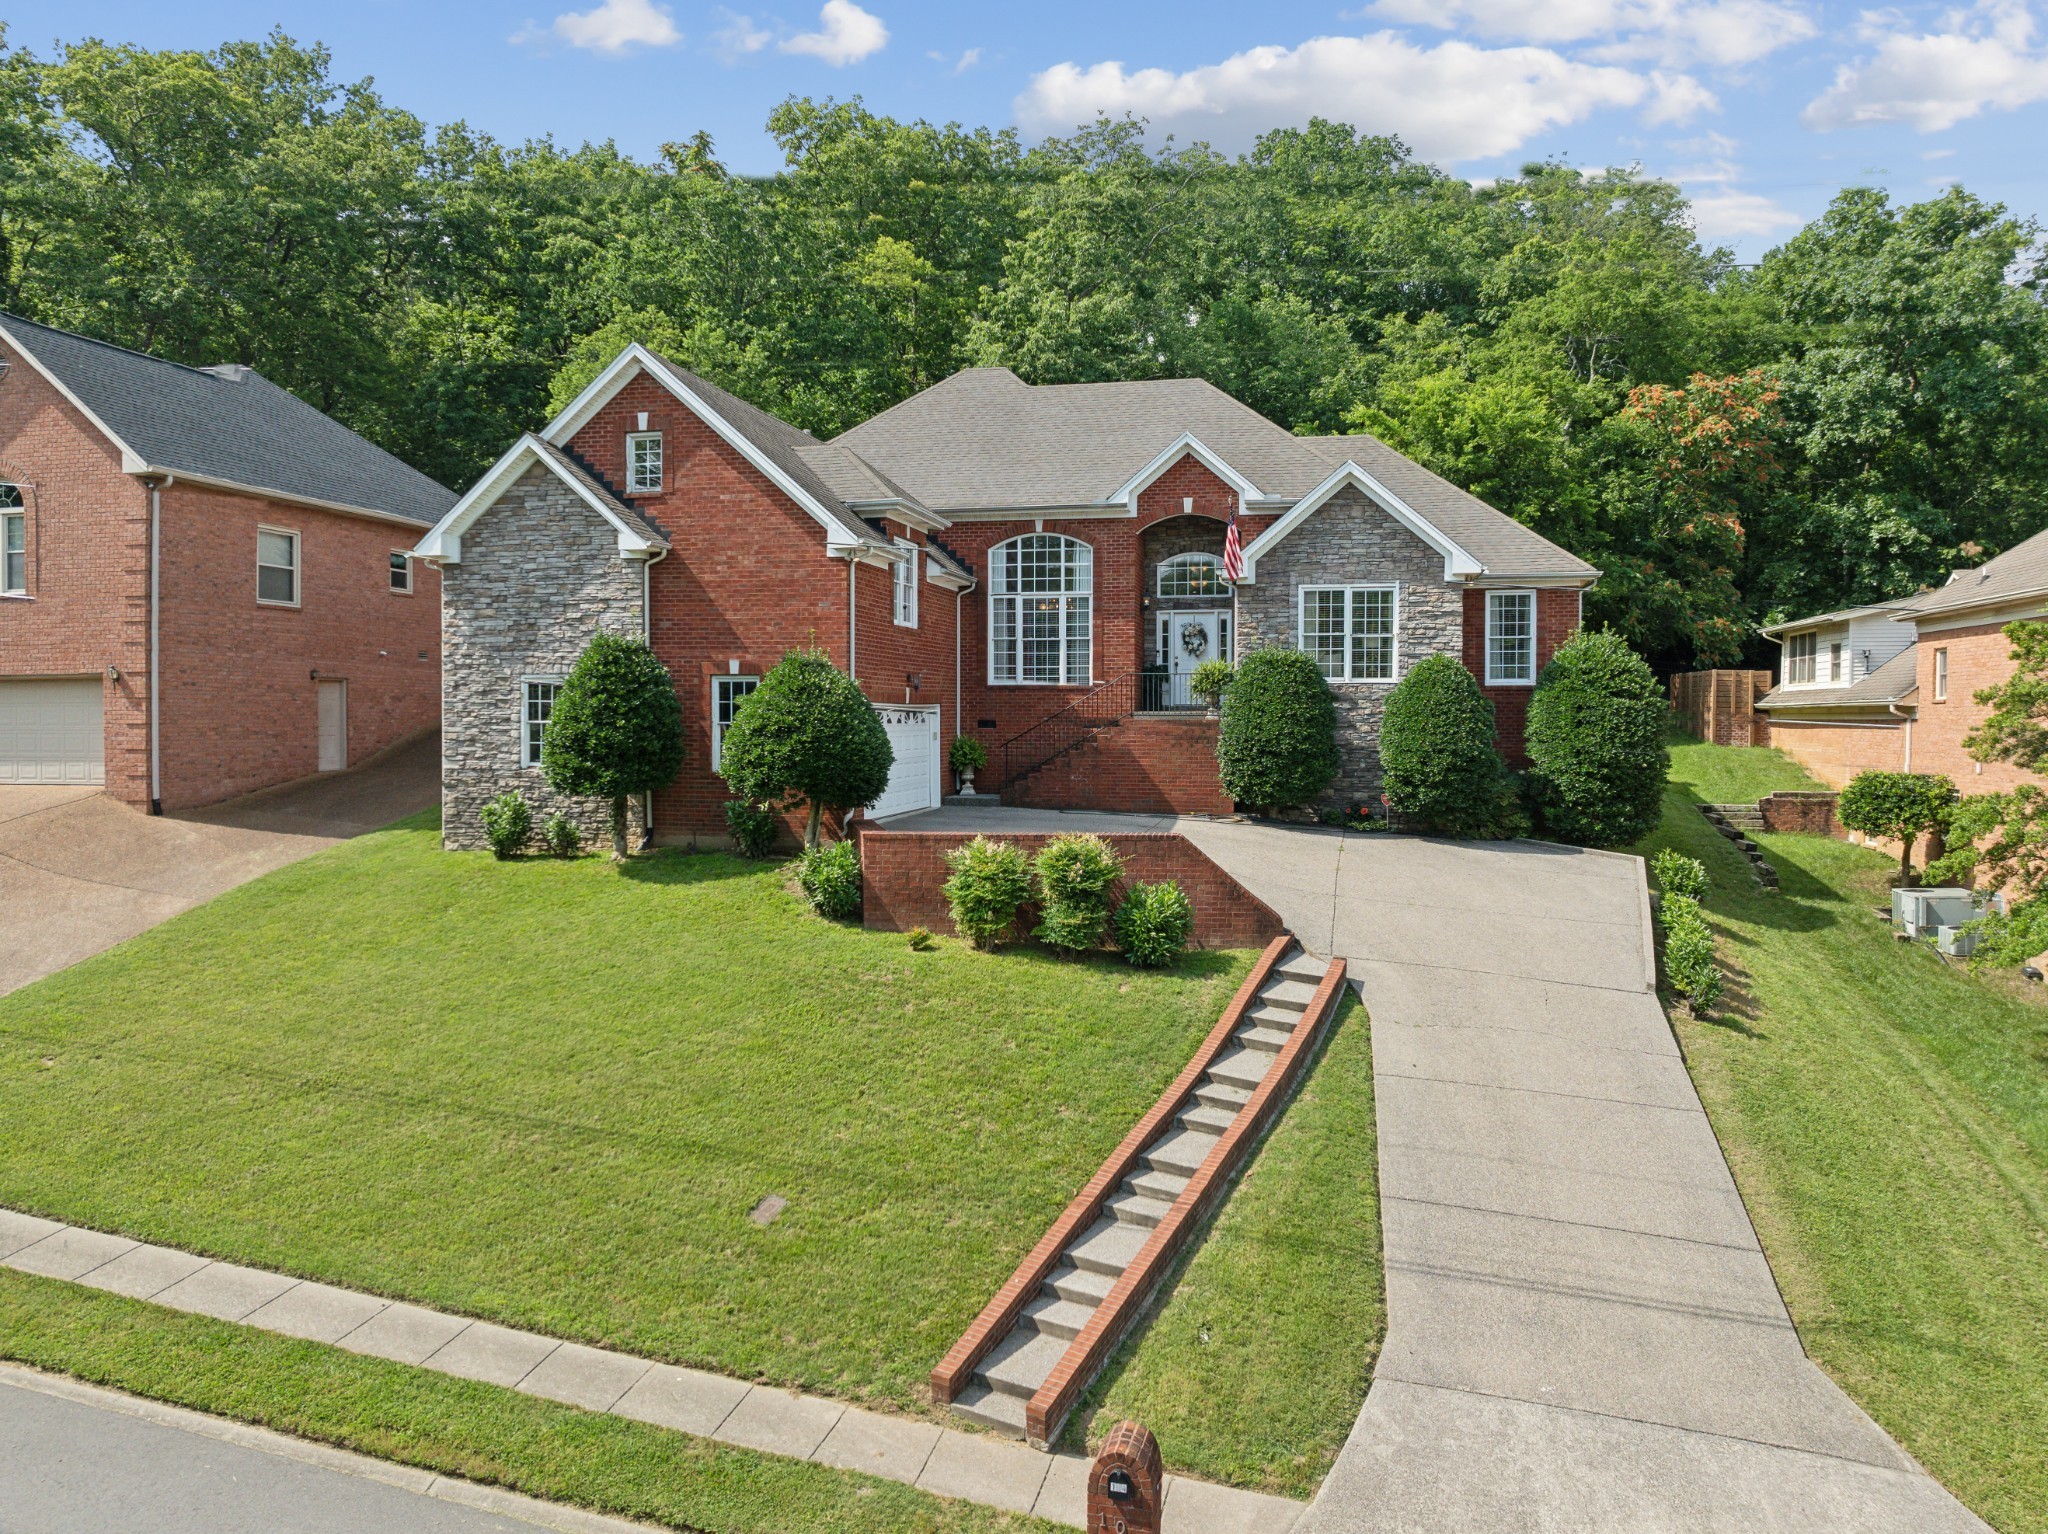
[1760, 108]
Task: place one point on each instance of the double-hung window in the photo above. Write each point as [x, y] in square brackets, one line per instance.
[401, 572]
[1799, 656]
[904, 577]
[13, 543]
[1041, 611]
[1350, 631]
[1510, 638]
[726, 695]
[1941, 676]
[277, 567]
[643, 463]
[1835, 662]
[535, 709]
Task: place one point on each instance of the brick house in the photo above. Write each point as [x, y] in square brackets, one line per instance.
[205, 583]
[1038, 567]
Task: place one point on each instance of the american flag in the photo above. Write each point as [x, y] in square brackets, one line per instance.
[1233, 550]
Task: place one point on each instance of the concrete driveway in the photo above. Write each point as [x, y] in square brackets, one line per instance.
[80, 872]
[1583, 1332]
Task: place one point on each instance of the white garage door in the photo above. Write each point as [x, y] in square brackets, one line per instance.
[50, 732]
[914, 780]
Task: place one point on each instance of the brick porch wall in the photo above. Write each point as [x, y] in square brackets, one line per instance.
[1836, 752]
[1140, 766]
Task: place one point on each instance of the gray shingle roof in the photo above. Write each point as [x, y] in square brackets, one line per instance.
[2021, 571]
[1893, 682]
[1839, 615]
[228, 423]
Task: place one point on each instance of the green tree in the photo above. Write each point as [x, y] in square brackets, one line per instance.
[1276, 747]
[2003, 838]
[1596, 741]
[1443, 771]
[615, 730]
[1900, 805]
[807, 733]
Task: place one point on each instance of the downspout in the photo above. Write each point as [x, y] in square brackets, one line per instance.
[959, 724]
[647, 636]
[156, 525]
[852, 616]
[1893, 709]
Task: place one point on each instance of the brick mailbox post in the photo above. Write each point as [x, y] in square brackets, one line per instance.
[1126, 1487]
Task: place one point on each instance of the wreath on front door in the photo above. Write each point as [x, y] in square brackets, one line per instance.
[1194, 639]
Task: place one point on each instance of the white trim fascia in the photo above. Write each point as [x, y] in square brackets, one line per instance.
[1106, 512]
[601, 390]
[902, 511]
[1496, 582]
[2020, 606]
[1187, 442]
[444, 540]
[186, 476]
[1458, 564]
[946, 578]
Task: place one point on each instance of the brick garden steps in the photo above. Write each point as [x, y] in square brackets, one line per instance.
[1035, 1348]
[1154, 764]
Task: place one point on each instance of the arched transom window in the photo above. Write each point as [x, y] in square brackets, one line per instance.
[1191, 575]
[1040, 611]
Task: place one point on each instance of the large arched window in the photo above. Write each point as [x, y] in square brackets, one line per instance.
[1040, 611]
[1191, 575]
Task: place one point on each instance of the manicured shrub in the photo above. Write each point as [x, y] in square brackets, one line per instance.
[616, 729]
[1689, 953]
[563, 836]
[989, 882]
[1443, 771]
[1277, 745]
[1596, 742]
[508, 824]
[807, 733]
[1679, 875]
[753, 827]
[1211, 680]
[1075, 874]
[1154, 922]
[966, 756]
[2011, 938]
[830, 879]
[1900, 805]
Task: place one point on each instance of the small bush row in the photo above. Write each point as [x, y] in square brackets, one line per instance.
[1688, 941]
[508, 827]
[1073, 878]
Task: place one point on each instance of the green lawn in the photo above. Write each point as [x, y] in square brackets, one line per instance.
[1887, 1119]
[1254, 1369]
[549, 1093]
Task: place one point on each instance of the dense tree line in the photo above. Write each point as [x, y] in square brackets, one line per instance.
[1841, 423]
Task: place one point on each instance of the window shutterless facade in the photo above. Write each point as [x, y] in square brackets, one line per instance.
[535, 708]
[1350, 631]
[1041, 612]
[1191, 575]
[643, 463]
[401, 572]
[726, 694]
[904, 586]
[277, 567]
[13, 543]
[1510, 638]
[1799, 655]
[1834, 663]
[1941, 676]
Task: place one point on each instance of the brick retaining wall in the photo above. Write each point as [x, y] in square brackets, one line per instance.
[1808, 812]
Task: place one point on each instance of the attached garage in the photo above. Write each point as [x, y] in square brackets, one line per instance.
[914, 782]
[51, 731]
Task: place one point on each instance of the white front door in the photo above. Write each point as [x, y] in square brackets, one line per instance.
[51, 731]
[914, 779]
[1187, 640]
[333, 726]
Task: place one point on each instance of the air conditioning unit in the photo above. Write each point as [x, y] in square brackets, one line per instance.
[1923, 912]
[1956, 942]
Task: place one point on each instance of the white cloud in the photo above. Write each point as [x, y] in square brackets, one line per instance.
[1677, 99]
[1670, 31]
[961, 65]
[1933, 80]
[739, 36]
[1732, 213]
[1450, 102]
[846, 34]
[615, 27]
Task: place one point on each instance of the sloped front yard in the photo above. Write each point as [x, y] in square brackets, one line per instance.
[549, 1094]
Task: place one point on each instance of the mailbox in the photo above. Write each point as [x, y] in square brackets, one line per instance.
[1126, 1487]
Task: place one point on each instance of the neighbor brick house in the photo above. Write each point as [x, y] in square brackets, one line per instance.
[1038, 567]
[205, 583]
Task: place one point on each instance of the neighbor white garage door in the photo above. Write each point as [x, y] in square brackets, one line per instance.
[914, 780]
[50, 732]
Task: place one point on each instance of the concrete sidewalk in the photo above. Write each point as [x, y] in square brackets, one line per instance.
[1583, 1332]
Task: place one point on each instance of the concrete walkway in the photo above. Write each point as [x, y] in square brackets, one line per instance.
[943, 1461]
[1583, 1332]
[80, 872]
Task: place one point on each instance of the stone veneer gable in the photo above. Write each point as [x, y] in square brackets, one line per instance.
[1350, 541]
[540, 574]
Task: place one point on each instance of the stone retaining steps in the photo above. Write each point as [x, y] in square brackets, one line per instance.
[1020, 1364]
[1738, 822]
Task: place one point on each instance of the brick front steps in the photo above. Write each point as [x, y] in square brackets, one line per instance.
[1144, 764]
[1036, 1346]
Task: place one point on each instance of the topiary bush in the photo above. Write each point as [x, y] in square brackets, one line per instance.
[1899, 805]
[753, 827]
[1075, 874]
[1596, 742]
[988, 883]
[1689, 953]
[616, 729]
[1443, 772]
[807, 732]
[830, 879]
[1277, 745]
[563, 836]
[1679, 875]
[508, 824]
[1154, 922]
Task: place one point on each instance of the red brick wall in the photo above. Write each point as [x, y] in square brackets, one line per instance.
[1835, 753]
[902, 873]
[1143, 766]
[1810, 813]
[239, 709]
[1557, 619]
[1978, 657]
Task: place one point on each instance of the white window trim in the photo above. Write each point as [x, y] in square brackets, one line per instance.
[1487, 637]
[633, 484]
[1220, 594]
[406, 589]
[903, 584]
[1350, 593]
[1941, 674]
[717, 729]
[996, 597]
[298, 567]
[532, 763]
[1811, 657]
[14, 514]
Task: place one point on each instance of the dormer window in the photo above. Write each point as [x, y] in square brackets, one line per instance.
[643, 463]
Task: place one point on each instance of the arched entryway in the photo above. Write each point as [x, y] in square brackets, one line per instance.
[1187, 606]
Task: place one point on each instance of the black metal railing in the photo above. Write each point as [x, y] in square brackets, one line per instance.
[1029, 750]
